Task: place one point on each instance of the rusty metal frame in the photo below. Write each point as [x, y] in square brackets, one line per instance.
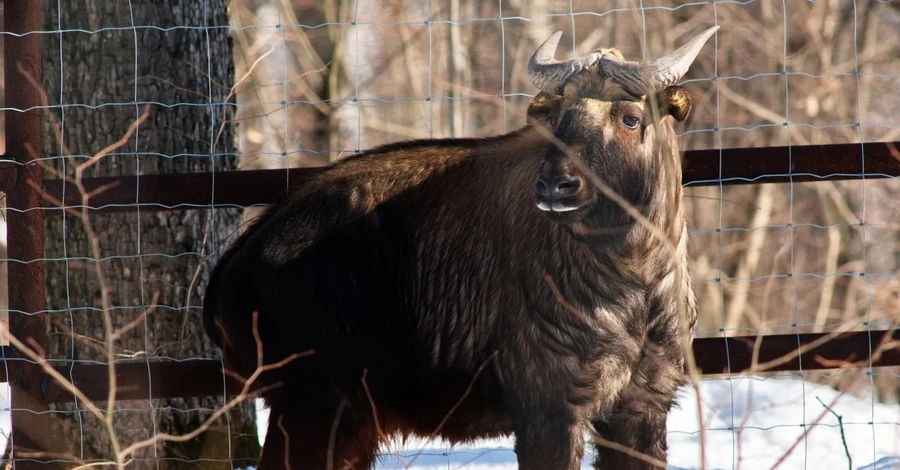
[33, 440]
[715, 356]
[799, 163]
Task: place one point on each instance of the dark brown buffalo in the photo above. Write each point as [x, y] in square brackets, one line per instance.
[474, 288]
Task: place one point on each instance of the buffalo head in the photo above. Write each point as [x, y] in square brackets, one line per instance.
[608, 121]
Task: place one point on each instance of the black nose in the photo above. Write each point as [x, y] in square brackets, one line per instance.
[558, 187]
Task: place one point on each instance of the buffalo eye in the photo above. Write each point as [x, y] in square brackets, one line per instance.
[631, 121]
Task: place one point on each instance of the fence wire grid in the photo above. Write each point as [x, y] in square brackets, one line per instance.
[268, 85]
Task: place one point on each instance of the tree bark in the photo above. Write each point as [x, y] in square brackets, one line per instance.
[137, 52]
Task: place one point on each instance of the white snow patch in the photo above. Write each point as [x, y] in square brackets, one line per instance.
[772, 412]
[5, 417]
[751, 423]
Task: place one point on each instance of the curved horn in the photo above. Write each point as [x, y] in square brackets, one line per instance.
[548, 74]
[669, 68]
[637, 77]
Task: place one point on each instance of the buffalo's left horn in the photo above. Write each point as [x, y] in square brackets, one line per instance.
[637, 77]
[669, 68]
[550, 75]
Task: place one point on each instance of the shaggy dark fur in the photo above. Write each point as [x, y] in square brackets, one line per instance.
[425, 273]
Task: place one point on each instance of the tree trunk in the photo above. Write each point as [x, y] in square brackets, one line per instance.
[137, 52]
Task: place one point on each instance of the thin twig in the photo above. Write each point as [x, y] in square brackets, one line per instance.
[243, 395]
[28, 352]
[565, 303]
[378, 429]
[79, 170]
[287, 441]
[840, 420]
[332, 437]
[140, 318]
[806, 430]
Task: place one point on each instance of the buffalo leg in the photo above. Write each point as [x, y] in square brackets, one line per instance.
[548, 441]
[303, 437]
[638, 419]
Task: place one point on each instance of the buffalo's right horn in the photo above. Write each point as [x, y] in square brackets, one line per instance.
[550, 75]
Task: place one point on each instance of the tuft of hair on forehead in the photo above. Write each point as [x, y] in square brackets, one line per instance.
[591, 85]
[594, 85]
[611, 51]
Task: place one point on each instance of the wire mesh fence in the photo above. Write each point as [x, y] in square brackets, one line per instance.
[136, 88]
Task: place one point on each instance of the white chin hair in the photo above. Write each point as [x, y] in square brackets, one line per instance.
[555, 207]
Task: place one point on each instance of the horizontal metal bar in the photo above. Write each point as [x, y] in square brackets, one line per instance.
[790, 352]
[134, 380]
[204, 377]
[177, 191]
[796, 163]
[142, 381]
[701, 168]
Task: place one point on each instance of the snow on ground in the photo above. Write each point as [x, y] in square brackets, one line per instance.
[751, 423]
[5, 425]
[770, 413]
[773, 414]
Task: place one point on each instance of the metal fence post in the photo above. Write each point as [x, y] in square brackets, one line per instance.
[32, 438]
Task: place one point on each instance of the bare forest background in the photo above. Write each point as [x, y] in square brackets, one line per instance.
[317, 81]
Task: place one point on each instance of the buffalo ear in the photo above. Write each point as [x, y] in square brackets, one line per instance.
[677, 102]
[541, 106]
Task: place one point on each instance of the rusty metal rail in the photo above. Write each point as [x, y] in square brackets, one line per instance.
[34, 429]
[204, 377]
[243, 188]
